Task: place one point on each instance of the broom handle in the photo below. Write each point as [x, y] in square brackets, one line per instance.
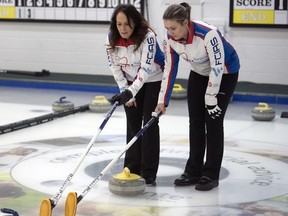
[155, 115]
[41, 119]
[57, 196]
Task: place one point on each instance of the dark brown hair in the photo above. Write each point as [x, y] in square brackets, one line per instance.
[134, 16]
[178, 12]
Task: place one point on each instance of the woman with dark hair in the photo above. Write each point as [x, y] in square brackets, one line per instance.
[212, 80]
[136, 62]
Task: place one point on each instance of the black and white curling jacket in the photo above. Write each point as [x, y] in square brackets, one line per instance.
[146, 64]
[208, 53]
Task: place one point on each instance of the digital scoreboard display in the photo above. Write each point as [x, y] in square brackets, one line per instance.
[259, 13]
[94, 11]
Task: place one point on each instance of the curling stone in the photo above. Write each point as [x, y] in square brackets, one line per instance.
[178, 92]
[62, 105]
[100, 104]
[127, 184]
[263, 112]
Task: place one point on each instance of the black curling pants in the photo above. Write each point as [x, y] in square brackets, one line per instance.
[206, 134]
[142, 157]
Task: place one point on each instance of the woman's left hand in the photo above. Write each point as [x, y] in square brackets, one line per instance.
[131, 104]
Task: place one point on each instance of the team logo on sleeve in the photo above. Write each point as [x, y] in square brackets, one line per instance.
[217, 71]
[217, 53]
[150, 54]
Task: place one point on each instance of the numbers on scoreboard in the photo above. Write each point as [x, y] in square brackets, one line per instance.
[91, 4]
[29, 3]
[57, 10]
[39, 3]
[29, 13]
[115, 3]
[19, 3]
[59, 3]
[49, 3]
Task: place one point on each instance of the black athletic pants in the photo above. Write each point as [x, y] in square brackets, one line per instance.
[205, 133]
[142, 157]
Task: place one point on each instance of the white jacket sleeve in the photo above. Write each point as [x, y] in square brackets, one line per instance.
[148, 49]
[215, 50]
[115, 68]
[170, 72]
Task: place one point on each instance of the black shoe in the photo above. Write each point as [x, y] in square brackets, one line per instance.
[150, 181]
[206, 184]
[185, 179]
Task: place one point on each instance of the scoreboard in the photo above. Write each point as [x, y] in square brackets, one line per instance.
[259, 13]
[95, 11]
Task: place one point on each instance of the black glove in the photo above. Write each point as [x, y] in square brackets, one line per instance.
[122, 98]
[214, 111]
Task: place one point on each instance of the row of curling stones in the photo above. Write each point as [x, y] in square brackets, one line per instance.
[178, 92]
[127, 184]
[263, 112]
[98, 105]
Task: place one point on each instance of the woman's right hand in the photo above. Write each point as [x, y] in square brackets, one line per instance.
[161, 107]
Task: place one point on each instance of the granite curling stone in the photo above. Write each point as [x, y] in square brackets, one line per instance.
[62, 105]
[100, 104]
[263, 112]
[127, 184]
[178, 92]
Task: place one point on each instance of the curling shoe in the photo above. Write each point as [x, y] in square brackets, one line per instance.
[150, 181]
[185, 179]
[206, 184]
